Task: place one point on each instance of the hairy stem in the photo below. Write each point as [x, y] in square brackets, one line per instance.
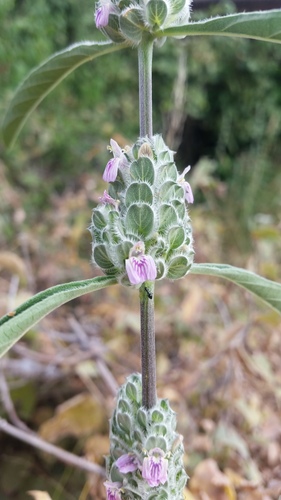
[145, 52]
[148, 356]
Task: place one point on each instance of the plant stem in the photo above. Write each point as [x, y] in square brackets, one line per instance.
[145, 52]
[148, 356]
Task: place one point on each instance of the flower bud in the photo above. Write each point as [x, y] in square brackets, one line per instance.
[123, 20]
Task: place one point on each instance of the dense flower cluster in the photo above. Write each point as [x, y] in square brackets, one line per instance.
[141, 228]
[145, 451]
[128, 20]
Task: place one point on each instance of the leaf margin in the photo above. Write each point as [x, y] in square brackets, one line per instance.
[14, 118]
[193, 28]
[228, 272]
[28, 311]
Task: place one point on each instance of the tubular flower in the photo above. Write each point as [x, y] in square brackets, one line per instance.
[102, 15]
[113, 490]
[186, 186]
[107, 199]
[127, 463]
[155, 467]
[119, 160]
[111, 170]
[118, 152]
[140, 267]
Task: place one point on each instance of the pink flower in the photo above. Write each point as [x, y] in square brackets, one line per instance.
[119, 160]
[102, 15]
[107, 199]
[127, 463]
[186, 186]
[155, 467]
[140, 267]
[111, 170]
[113, 491]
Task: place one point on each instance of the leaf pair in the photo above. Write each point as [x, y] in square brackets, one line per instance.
[264, 26]
[15, 324]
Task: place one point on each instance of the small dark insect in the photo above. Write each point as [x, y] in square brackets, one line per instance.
[150, 296]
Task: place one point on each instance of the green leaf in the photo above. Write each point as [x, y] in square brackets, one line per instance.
[138, 192]
[264, 26]
[140, 220]
[45, 78]
[267, 290]
[98, 219]
[167, 217]
[112, 29]
[157, 12]
[101, 257]
[157, 416]
[125, 422]
[176, 6]
[178, 267]
[176, 237]
[131, 24]
[143, 170]
[170, 190]
[167, 172]
[15, 324]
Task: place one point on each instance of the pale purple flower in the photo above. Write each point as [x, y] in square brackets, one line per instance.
[140, 267]
[116, 150]
[102, 15]
[186, 186]
[155, 467]
[127, 463]
[119, 160]
[113, 490]
[111, 170]
[107, 199]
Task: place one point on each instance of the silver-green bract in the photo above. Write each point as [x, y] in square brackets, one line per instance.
[135, 430]
[149, 207]
[132, 20]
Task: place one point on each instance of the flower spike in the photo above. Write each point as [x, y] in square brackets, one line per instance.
[141, 228]
[144, 472]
